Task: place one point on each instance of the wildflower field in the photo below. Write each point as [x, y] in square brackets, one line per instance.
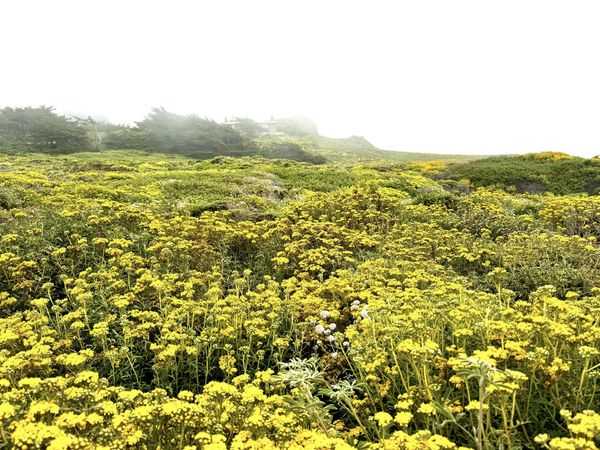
[153, 301]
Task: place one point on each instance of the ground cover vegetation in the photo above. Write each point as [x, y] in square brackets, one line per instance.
[156, 301]
[534, 173]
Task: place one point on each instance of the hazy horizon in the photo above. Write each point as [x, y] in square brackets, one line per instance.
[463, 77]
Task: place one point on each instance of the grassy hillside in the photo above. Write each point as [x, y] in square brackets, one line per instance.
[539, 172]
[357, 149]
[152, 301]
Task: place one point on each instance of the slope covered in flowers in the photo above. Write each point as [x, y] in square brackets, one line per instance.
[156, 302]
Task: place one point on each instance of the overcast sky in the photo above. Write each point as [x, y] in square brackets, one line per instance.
[460, 76]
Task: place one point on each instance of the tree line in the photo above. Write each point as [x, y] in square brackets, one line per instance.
[42, 129]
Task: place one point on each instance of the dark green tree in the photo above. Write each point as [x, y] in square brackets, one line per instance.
[173, 133]
[42, 129]
[122, 137]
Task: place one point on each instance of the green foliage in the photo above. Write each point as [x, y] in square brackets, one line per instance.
[533, 260]
[496, 213]
[573, 215]
[191, 135]
[248, 128]
[288, 150]
[163, 131]
[536, 173]
[42, 130]
[119, 137]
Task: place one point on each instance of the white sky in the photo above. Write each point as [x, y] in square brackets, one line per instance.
[460, 76]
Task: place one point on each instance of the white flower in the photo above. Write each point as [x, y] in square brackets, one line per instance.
[330, 338]
[332, 326]
[334, 355]
[364, 313]
[325, 314]
[319, 329]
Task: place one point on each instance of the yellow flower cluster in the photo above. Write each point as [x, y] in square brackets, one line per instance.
[244, 304]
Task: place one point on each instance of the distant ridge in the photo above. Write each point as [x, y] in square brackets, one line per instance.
[359, 149]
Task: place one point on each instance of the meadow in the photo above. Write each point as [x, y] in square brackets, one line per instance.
[156, 301]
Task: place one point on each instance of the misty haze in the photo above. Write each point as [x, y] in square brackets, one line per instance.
[300, 225]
